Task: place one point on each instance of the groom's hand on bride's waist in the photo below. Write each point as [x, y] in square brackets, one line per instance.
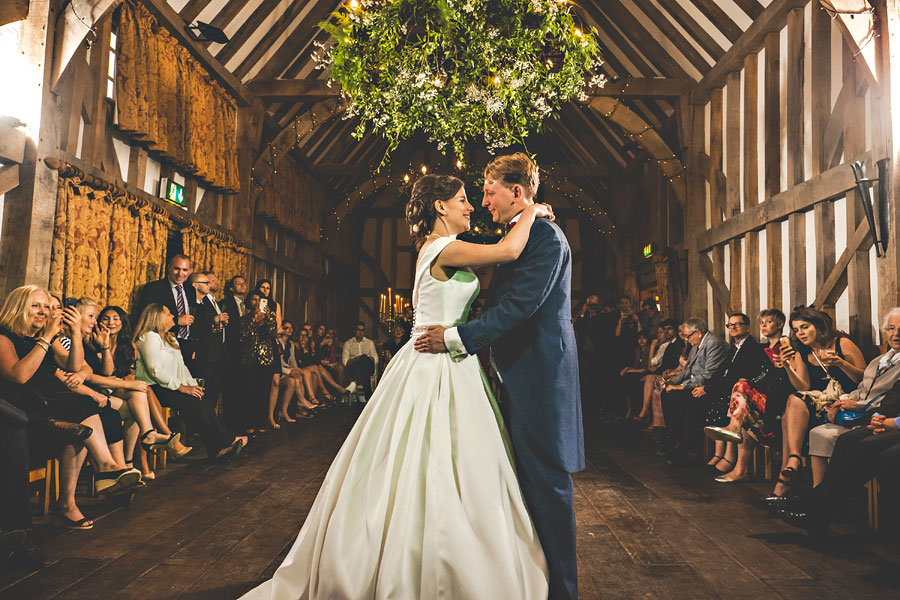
[431, 341]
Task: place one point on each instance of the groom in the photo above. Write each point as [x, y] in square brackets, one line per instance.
[528, 326]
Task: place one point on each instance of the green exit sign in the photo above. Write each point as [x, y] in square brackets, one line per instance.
[172, 192]
[648, 250]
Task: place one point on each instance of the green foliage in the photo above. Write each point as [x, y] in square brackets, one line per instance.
[458, 70]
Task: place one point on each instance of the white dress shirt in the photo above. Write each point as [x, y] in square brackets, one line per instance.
[160, 363]
[354, 348]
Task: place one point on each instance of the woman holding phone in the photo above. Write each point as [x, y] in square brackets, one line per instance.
[260, 361]
[264, 289]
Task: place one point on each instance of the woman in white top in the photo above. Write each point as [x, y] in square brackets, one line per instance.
[161, 365]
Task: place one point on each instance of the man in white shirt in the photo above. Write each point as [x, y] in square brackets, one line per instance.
[359, 358]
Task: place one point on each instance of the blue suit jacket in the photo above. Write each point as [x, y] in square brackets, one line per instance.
[528, 325]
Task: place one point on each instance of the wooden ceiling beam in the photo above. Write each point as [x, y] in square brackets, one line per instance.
[246, 31]
[719, 18]
[272, 35]
[299, 39]
[15, 10]
[306, 90]
[175, 24]
[685, 46]
[562, 170]
[772, 19]
[193, 8]
[687, 22]
[642, 40]
[227, 14]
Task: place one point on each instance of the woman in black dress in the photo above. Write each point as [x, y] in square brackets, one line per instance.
[31, 359]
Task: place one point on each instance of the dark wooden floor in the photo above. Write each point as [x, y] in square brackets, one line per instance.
[645, 531]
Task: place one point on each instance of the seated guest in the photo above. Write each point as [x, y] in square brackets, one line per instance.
[264, 289]
[127, 399]
[161, 365]
[748, 405]
[319, 333]
[859, 455]
[393, 345]
[632, 374]
[747, 361]
[817, 355]
[328, 356]
[209, 333]
[114, 320]
[359, 358]
[179, 297]
[259, 364]
[878, 378]
[668, 348]
[683, 399]
[294, 381]
[31, 356]
[658, 421]
[308, 362]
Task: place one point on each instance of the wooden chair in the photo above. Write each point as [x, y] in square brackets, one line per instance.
[49, 473]
[157, 458]
[872, 489]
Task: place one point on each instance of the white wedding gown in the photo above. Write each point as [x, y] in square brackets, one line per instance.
[422, 499]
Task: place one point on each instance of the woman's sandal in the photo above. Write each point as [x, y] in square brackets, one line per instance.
[305, 413]
[786, 479]
[730, 463]
[81, 525]
[167, 443]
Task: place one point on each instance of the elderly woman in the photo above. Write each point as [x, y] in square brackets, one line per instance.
[31, 359]
[824, 356]
[878, 378]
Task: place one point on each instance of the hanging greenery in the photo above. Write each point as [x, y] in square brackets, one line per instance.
[458, 70]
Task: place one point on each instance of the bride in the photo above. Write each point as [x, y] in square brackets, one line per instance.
[422, 499]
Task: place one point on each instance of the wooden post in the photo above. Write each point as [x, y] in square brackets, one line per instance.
[772, 124]
[715, 157]
[858, 278]
[695, 214]
[888, 268]
[795, 149]
[30, 209]
[751, 180]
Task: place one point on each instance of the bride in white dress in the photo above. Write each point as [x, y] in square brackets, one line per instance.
[422, 499]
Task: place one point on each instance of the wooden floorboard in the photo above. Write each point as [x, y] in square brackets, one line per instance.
[645, 530]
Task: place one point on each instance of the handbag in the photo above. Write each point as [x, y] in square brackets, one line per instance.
[852, 418]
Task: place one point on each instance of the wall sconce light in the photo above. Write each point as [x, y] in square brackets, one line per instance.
[208, 33]
[862, 186]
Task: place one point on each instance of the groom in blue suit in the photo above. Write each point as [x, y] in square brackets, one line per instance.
[528, 326]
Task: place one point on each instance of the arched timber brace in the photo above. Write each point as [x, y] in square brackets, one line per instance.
[636, 127]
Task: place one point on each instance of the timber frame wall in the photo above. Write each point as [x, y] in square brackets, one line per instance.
[772, 215]
[313, 281]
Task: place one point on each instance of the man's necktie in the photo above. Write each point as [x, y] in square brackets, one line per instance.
[179, 304]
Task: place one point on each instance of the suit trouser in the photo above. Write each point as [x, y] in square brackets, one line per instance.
[212, 374]
[858, 456]
[547, 490]
[685, 416]
[199, 417]
[14, 510]
[361, 371]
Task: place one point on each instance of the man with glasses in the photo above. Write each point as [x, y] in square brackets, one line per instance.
[209, 332]
[683, 410]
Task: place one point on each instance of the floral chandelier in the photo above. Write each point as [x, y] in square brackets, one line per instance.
[459, 70]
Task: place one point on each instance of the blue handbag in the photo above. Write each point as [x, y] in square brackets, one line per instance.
[853, 418]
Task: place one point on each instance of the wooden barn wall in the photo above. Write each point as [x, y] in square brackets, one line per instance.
[77, 128]
[646, 212]
[773, 217]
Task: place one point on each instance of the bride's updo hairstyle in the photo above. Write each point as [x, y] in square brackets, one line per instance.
[420, 212]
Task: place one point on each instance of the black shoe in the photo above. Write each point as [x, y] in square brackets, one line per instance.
[27, 558]
[10, 544]
[774, 502]
[798, 517]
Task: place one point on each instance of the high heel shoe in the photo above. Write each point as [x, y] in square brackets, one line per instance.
[166, 443]
[115, 481]
[81, 525]
[786, 479]
[723, 434]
